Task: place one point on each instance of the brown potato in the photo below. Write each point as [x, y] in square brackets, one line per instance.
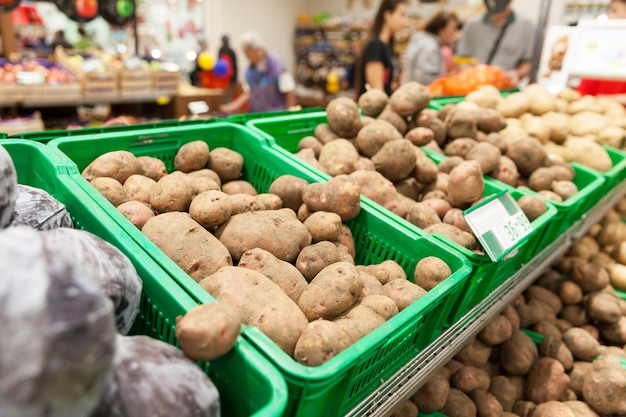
[118, 165]
[208, 331]
[341, 195]
[152, 168]
[338, 157]
[459, 404]
[532, 206]
[518, 354]
[201, 184]
[366, 315]
[324, 134]
[432, 396]
[448, 231]
[528, 154]
[320, 342]
[552, 408]
[506, 171]
[460, 124]
[582, 345]
[395, 119]
[466, 184]
[314, 258]
[343, 117]
[192, 156]
[372, 102]
[454, 217]
[137, 212]
[450, 163]
[469, 378]
[211, 208]
[312, 143]
[205, 173]
[386, 271]
[289, 188]
[497, 331]
[395, 159]
[474, 353]
[243, 203]
[420, 136]
[371, 285]
[546, 381]
[487, 155]
[486, 403]
[171, 193]
[409, 99]
[227, 163]
[269, 201]
[373, 136]
[403, 292]
[323, 225]
[111, 189]
[422, 215]
[238, 187]
[430, 271]
[425, 170]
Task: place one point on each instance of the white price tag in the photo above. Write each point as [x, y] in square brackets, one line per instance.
[198, 107]
[499, 224]
[30, 78]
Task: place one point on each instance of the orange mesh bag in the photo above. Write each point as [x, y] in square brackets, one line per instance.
[469, 79]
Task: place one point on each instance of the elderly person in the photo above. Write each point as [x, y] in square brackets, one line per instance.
[268, 85]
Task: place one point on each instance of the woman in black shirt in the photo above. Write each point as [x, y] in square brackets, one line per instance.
[377, 66]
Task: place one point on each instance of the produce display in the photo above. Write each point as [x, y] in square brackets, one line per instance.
[50, 73]
[558, 350]
[70, 299]
[284, 259]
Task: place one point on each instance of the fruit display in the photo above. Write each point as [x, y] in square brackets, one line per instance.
[12, 72]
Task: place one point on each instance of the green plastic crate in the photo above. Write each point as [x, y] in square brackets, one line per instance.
[621, 294]
[617, 173]
[244, 118]
[247, 382]
[338, 385]
[47, 135]
[283, 135]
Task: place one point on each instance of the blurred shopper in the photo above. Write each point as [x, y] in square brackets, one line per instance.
[615, 89]
[226, 52]
[377, 66]
[425, 61]
[268, 85]
[84, 41]
[59, 40]
[500, 37]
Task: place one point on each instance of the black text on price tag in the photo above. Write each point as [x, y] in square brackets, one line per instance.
[499, 224]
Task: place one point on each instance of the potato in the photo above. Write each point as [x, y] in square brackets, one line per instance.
[558, 123]
[518, 354]
[504, 391]
[546, 381]
[474, 353]
[260, 303]
[211, 208]
[532, 206]
[582, 345]
[551, 195]
[577, 376]
[604, 386]
[227, 163]
[587, 123]
[466, 184]
[308, 156]
[574, 314]
[460, 147]
[333, 290]
[320, 342]
[403, 292]
[553, 347]
[565, 189]
[138, 188]
[341, 195]
[603, 307]
[486, 96]
[450, 163]
[570, 292]
[420, 136]
[514, 105]
[243, 203]
[366, 315]
[487, 155]
[465, 239]
[441, 206]
[364, 164]
[314, 258]
[323, 225]
[459, 404]
[386, 271]
[343, 117]
[486, 403]
[397, 121]
[346, 239]
[208, 331]
[469, 378]
[547, 327]
[580, 409]
[614, 333]
[289, 188]
[118, 165]
[371, 285]
[152, 168]
[506, 171]
[238, 187]
[324, 133]
[497, 331]
[269, 201]
[542, 178]
[528, 155]
[277, 231]
[617, 275]
[511, 314]
[409, 99]
[137, 212]
[111, 189]
[611, 136]
[395, 159]
[407, 409]
[338, 157]
[547, 297]
[281, 273]
[587, 152]
[425, 170]
[409, 187]
[372, 137]
[422, 215]
[187, 243]
[552, 408]
[171, 193]
[372, 102]
[205, 173]
[311, 142]
[201, 184]
[524, 408]
[590, 277]
[432, 396]
[192, 156]
[460, 124]
[430, 271]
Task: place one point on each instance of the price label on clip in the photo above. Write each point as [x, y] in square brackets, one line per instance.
[499, 224]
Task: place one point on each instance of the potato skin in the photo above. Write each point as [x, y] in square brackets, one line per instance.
[432, 396]
[187, 243]
[171, 193]
[152, 168]
[385, 272]
[211, 208]
[208, 331]
[459, 404]
[277, 231]
[260, 303]
[320, 342]
[289, 188]
[403, 292]
[546, 381]
[372, 102]
[227, 163]
[192, 156]
[116, 164]
[238, 187]
[430, 271]
[111, 189]
[518, 354]
[323, 225]
[366, 315]
[343, 117]
[138, 188]
[333, 290]
[314, 258]
[341, 195]
[282, 273]
[137, 212]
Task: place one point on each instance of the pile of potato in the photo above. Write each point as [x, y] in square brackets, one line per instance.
[573, 370]
[283, 259]
[384, 156]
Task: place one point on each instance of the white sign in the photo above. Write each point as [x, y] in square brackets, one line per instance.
[198, 107]
[499, 224]
[598, 50]
[550, 73]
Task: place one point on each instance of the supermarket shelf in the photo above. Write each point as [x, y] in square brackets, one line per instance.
[117, 98]
[404, 383]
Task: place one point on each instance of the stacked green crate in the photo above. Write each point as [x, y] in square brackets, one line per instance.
[338, 385]
[241, 373]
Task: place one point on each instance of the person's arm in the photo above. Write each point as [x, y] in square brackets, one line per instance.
[287, 86]
[375, 75]
[290, 100]
[236, 103]
[521, 72]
